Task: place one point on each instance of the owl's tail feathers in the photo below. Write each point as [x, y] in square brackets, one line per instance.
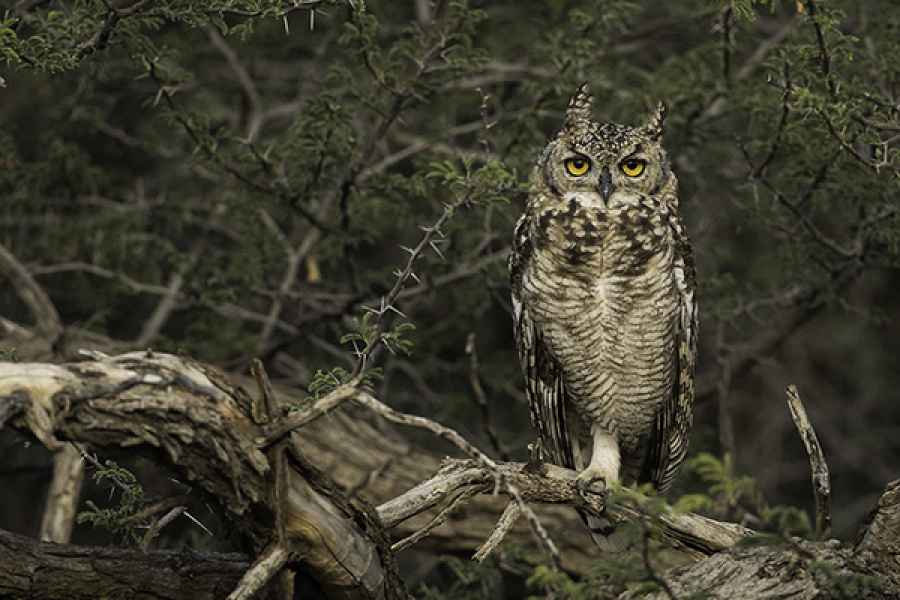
[603, 533]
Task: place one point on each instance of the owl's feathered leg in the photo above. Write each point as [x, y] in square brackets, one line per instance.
[595, 478]
[605, 462]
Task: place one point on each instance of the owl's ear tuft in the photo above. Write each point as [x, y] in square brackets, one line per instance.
[654, 125]
[579, 111]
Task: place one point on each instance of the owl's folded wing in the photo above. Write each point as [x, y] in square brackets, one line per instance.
[544, 387]
[669, 439]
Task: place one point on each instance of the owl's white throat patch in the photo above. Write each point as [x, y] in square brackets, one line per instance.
[587, 199]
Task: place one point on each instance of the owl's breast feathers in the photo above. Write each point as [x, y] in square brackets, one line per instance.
[606, 326]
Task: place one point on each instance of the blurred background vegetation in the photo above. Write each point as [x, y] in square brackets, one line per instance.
[238, 179]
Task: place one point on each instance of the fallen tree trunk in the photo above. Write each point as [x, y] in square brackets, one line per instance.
[47, 571]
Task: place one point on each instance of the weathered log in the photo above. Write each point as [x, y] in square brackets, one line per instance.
[879, 540]
[47, 571]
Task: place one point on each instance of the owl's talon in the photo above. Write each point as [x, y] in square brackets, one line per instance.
[535, 464]
[587, 484]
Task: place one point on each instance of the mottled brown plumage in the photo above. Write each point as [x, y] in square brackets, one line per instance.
[603, 292]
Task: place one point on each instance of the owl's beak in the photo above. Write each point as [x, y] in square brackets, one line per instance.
[606, 185]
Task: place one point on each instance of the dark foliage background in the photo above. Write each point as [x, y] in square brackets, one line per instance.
[238, 179]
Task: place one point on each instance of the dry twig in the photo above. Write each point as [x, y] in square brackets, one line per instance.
[509, 517]
[821, 479]
[158, 525]
[501, 481]
[266, 567]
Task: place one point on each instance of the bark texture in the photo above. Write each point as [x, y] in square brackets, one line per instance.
[47, 571]
[201, 425]
[803, 570]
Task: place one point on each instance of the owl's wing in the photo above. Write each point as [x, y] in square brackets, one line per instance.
[669, 440]
[544, 383]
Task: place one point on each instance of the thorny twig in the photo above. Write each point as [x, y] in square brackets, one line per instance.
[782, 122]
[387, 302]
[486, 123]
[166, 92]
[150, 510]
[824, 57]
[101, 38]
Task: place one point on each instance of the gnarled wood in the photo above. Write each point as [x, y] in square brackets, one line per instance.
[202, 427]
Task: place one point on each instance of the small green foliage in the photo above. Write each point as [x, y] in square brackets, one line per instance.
[366, 330]
[746, 10]
[693, 503]
[469, 581]
[487, 183]
[554, 582]
[324, 382]
[842, 584]
[732, 497]
[395, 339]
[789, 520]
[8, 355]
[727, 488]
[116, 519]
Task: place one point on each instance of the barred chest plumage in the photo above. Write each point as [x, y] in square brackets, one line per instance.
[599, 284]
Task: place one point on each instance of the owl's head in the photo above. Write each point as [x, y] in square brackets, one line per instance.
[605, 165]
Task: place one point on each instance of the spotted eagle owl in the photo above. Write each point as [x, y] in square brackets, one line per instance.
[603, 295]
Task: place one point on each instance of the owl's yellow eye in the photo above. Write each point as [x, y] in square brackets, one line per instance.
[577, 166]
[633, 167]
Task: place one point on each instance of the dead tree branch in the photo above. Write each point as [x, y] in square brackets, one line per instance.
[821, 480]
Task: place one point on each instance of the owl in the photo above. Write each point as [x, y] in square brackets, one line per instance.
[605, 318]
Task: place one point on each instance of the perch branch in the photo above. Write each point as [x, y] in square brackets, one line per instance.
[500, 480]
[694, 534]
